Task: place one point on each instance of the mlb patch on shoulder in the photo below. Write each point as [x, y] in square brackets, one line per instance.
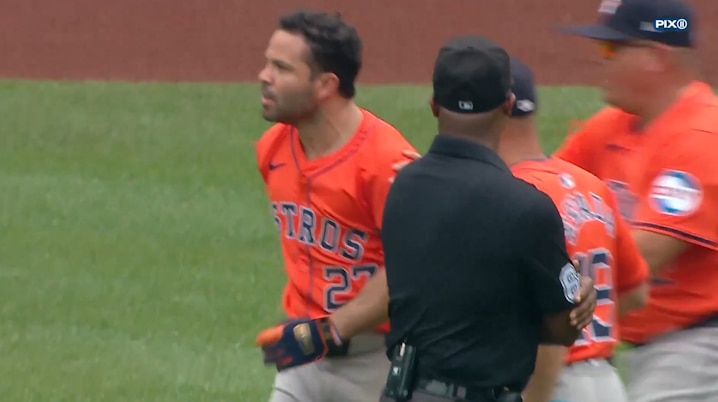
[676, 193]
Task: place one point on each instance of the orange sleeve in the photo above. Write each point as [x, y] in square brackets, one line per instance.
[380, 174]
[631, 268]
[682, 197]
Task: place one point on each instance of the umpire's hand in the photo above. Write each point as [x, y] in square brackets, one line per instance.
[582, 315]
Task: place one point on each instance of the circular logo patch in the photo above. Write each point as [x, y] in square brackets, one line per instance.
[676, 193]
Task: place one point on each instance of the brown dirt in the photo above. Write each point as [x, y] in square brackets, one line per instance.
[223, 40]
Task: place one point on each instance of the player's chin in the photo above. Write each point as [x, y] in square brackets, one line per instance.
[609, 97]
[617, 102]
[269, 115]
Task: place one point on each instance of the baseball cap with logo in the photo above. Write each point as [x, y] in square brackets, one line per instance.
[523, 88]
[472, 74]
[637, 20]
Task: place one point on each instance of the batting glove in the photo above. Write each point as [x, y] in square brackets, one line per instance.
[299, 341]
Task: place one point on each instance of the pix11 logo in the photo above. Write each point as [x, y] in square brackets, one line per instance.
[670, 24]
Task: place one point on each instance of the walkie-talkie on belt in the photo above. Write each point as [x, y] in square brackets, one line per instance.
[400, 381]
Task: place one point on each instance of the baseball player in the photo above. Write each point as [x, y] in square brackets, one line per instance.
[598, 238]
[655, 147]
[327, 166]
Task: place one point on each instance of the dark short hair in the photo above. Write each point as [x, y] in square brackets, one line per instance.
[334, 45]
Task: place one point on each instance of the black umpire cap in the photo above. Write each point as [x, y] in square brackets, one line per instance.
[523, 88]
[471, 75]
[665, 21]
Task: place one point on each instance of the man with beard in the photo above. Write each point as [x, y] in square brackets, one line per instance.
[327, 166]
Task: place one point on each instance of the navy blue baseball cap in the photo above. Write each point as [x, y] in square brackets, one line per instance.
[523, 88]
[665, 21]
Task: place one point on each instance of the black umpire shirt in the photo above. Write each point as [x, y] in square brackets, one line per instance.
[473, 261]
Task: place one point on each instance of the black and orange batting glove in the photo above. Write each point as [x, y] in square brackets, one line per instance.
[299, 341]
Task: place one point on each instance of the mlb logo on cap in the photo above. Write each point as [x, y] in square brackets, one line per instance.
[466, 105]
[523, 88]
[525, 105]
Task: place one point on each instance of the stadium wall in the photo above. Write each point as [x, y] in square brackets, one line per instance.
[223, 40]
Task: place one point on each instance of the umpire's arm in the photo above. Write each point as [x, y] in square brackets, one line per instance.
[553, 277]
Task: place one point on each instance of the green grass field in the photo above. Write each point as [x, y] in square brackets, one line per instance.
[138, 258]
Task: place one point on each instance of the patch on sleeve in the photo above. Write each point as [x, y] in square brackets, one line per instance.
[675, 193]
[566, 181]
[570, 282]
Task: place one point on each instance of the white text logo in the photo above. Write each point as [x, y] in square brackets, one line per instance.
[679, 24]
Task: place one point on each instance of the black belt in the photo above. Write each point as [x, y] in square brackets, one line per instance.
[710, 322]
[451, 391]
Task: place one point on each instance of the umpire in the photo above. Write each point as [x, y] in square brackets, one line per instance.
[476, 263]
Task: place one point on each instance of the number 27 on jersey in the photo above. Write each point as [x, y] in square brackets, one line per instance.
[340, 287]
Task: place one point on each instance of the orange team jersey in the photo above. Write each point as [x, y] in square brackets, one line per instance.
[329, 212]
[665, 178]
[598, 238]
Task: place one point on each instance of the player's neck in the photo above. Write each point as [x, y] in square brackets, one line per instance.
[329, 129]
[480, 129]
[659, 102]
[519, 142]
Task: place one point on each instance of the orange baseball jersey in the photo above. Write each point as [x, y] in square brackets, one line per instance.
[329, 211]
[665, 178]
[598, 238]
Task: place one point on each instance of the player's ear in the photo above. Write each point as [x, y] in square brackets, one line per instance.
[434, 107]
[326, 84]
[509, 104]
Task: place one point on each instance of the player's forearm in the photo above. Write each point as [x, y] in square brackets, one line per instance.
[549, 362]
[367, 310]
[633, 299]
[658, 250]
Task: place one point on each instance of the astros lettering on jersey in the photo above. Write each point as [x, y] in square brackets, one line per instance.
[329, 212]
[598, 238]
